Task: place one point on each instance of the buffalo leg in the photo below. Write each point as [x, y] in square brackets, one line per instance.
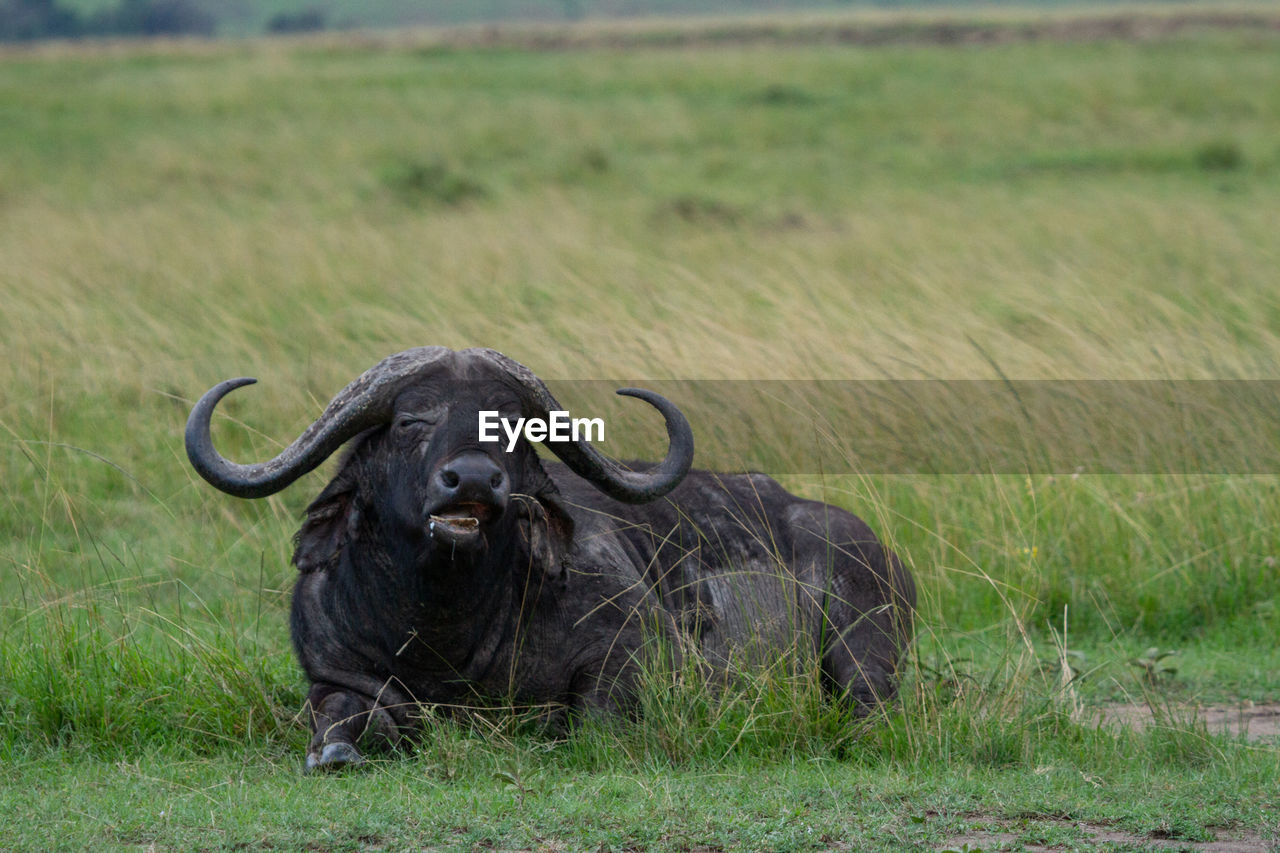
[341, 718]
[864, 681]
[860, 660]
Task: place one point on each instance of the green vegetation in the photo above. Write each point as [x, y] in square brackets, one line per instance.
[31, 20]
[247, 17]
[171, 216]
[252, 17]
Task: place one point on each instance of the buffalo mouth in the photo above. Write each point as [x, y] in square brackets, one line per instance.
[459, 524]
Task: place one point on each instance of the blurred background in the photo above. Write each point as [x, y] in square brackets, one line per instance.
[622, 191]
[35, 19]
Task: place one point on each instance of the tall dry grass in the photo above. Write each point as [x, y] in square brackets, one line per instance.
[169, 219]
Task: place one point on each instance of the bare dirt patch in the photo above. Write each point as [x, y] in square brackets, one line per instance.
[1003, 837]
[1255, 721]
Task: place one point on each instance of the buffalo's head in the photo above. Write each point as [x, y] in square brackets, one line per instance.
[417, 462]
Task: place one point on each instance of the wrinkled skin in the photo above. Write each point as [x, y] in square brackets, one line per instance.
[438, 570]
[390, 611]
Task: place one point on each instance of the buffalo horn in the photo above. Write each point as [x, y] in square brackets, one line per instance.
[584, 460]
[364, 403]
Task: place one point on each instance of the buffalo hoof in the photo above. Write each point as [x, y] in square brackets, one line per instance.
[334, 756]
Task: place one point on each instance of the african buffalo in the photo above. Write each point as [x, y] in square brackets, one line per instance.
[437, 569]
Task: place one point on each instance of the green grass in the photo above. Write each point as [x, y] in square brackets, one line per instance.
[171, 216]
[239, 802]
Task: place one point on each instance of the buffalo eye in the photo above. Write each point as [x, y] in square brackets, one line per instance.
[405, 423]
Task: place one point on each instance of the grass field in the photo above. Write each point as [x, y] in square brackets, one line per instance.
[172, 215]
[248, 17]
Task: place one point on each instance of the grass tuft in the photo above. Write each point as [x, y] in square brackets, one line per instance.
[417, 183]
[1222, 155]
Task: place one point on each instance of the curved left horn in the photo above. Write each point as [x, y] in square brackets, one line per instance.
[364, 403]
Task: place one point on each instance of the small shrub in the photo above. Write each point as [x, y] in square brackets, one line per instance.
[24, 20]
[155, 18]
[417, 183]
[779, 95]
[306, 21]
[1152, 666]
[584, 165]
[1222, 155]
[595, 159]
[700, 210]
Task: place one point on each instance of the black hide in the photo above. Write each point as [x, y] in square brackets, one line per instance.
[438, 570]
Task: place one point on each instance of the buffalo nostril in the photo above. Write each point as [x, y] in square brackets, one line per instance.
[450, 479]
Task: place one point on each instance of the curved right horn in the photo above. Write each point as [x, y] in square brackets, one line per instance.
[608, 475]
[364, 403]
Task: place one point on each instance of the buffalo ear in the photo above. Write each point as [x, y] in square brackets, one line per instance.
[329, 526]
[546, 530]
